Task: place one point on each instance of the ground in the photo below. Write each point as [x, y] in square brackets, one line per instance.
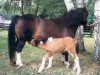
[32, 56]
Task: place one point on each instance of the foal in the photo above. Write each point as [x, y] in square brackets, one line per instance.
[55, 45]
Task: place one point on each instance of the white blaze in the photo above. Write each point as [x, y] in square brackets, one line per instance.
[50, 62]
[77, 65]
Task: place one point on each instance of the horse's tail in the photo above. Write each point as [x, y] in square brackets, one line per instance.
[12, 39]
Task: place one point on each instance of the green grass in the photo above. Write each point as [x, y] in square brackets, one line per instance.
[32, 56]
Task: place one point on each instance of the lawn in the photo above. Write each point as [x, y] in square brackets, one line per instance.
[31, 57]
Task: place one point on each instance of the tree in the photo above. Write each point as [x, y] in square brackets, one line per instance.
[69, 4]
[96, 52]
[52, 8]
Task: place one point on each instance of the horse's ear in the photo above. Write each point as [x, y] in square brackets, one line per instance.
[85, 9]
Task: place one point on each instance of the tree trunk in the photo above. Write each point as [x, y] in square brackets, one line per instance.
[37, 8]
[21, 5]
[69, 4]
[79, 3]
[79, 40]
[96, 52]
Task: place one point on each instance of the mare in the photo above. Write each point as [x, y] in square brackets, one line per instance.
[55, 45]
[27, 27]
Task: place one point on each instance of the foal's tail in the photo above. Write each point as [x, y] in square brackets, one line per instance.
[12, 39]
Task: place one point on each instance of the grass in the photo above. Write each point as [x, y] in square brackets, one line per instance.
[31, 57]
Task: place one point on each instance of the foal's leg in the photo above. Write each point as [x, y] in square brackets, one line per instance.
[65, 59]
[76, 63]
[19, 48]
[44, 59]
[50, 62]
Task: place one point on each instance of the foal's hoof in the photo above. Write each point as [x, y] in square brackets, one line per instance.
[48, 67]
[39, 71]
[78, 72]
[67, 64]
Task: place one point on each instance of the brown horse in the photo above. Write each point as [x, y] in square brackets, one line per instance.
[27, 27]
[55, 45]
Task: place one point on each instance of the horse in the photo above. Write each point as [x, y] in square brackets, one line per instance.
[24, 28]
[55, 45]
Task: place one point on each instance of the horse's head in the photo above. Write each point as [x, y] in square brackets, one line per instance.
[83, 16]
[75, 18]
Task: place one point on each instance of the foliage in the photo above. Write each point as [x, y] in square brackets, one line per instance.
[47, 8]
[90, 7]
[52, 8]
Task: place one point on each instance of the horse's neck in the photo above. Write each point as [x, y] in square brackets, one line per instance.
[70, 31]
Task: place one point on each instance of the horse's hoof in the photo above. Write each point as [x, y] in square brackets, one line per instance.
[12, 63]
[20, 64]
[63, 62]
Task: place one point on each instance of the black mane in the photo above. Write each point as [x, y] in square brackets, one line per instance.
[74, 18]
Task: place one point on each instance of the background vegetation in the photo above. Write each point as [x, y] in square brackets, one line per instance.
[48, 8]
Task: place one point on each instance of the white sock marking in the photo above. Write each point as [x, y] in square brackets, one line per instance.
[42, 64]
[76, 65]
[50, 62]
[18, 59]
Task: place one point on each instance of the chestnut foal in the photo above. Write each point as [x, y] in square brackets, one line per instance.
[55, 45]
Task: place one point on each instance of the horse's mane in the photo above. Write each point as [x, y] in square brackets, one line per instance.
[28, 17]
[72, 17]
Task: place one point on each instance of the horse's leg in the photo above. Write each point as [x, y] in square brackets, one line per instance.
[19, 48]
[50, 62]
[65, 59]
[44, 59]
